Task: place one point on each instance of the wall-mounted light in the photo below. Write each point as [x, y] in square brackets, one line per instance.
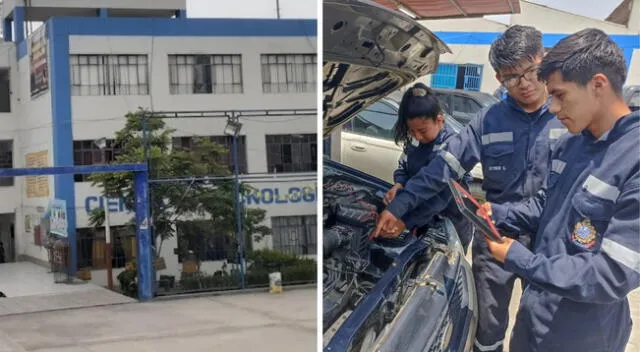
[233, 127]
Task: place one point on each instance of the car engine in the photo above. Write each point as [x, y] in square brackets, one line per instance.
[352, 263]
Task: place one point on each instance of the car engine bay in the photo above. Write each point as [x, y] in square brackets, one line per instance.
[353, 263]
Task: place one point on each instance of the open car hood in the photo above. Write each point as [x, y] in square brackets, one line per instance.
[370, 51]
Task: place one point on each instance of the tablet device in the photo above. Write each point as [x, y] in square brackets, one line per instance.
[469, 207]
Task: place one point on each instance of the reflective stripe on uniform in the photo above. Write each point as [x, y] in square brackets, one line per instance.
[497, 137]
[453, 163]
[557, 165]
[601, 189]
[621, 254]
[483, 348]
[555, 133]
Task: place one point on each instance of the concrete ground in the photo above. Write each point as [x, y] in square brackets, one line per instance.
[242, 322]
[31, 288]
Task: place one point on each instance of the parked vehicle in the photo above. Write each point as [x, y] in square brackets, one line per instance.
[367, 142]
[464, 105]
[632, 97]
[405, 294]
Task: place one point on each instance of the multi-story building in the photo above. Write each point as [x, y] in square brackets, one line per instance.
[70, 82]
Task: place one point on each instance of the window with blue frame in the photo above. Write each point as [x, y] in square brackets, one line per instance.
[457, 76]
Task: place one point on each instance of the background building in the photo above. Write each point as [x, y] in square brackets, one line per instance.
[468, 67]
[69, 82]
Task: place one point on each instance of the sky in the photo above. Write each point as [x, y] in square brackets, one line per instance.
[598, 9]
[252, 8]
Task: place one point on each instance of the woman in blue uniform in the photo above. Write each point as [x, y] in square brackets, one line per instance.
[422, 130]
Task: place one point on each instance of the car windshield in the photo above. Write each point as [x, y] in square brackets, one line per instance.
[486, 100]
[451, 122]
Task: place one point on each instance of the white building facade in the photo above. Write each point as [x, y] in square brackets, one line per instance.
[468, 66]
[71, 81]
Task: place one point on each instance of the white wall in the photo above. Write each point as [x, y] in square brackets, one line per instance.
[464, 25]
[96, 117]
[549, 20]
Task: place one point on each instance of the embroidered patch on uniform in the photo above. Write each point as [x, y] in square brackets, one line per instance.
[584, 234]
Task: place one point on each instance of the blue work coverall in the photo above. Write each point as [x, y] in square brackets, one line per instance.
[586, 252]
[514, 148]
[415, 156]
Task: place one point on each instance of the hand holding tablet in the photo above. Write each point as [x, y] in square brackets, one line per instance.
[472, 210]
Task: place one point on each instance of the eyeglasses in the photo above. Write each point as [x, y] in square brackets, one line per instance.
[530, 75]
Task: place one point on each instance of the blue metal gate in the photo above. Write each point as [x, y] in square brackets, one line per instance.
[472, 77]
[445, 76]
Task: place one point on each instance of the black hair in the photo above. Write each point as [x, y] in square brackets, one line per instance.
[517, 43]
[584, 54]
[417, 102]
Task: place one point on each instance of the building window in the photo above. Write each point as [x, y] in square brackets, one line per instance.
[92, 245]
[87, 153]
[109, 75]
[292, 153]
[6, 161]
[201, 74]
[5, 91]
[294, 234]
[199, 238]
[293, 73]
[186, 143]
[455, 76]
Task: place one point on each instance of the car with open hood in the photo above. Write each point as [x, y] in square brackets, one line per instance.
[414, 292]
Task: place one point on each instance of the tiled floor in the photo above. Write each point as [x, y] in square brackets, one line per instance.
[30, 288]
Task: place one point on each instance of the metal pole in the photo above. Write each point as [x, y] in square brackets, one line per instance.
[107, 235]
[236, 196]
[278, 8]
[149, 199]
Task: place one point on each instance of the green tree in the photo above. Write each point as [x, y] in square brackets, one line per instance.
[209, 200]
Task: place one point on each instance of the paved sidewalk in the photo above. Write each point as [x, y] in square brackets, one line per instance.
[30, 288]
[242, 322]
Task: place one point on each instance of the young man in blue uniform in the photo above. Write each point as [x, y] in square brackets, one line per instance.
[586, 219]
[513, 140]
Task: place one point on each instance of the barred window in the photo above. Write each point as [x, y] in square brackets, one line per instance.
[109, 75]
[186, 143]
[292, 153]
[85, 152]
[202, 74]
[290, 73]
[6, 161]
[294, 234]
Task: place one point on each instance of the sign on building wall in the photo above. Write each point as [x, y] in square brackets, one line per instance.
[39, 61]
[58, 217]
[37, 186]
[281, 195]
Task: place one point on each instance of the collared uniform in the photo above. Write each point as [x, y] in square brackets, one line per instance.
[414, 157]
[514, 148]
[586, 253]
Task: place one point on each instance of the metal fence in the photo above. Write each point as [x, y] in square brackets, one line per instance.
[211, 223]
[202, 250]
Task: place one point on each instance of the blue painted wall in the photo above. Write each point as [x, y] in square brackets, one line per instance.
[627, 42]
